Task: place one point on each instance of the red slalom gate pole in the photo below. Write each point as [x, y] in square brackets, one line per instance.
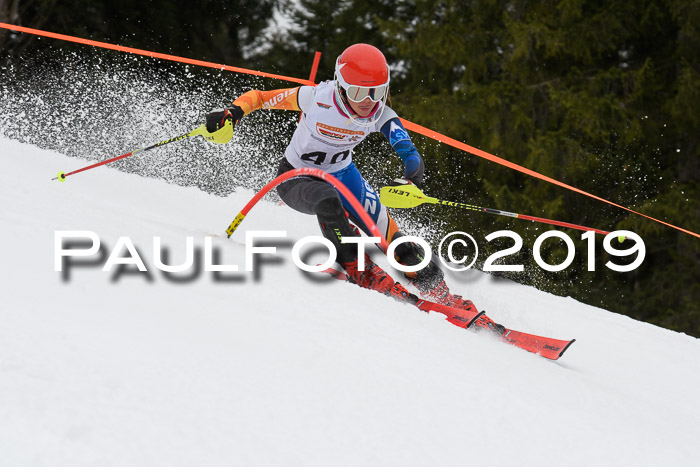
[314, 69]
[148, 53]
[314, 66]
[374, 230]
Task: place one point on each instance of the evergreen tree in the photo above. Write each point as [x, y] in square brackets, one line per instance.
[211, 30]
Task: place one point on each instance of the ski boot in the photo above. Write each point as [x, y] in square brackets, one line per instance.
[375, 278]
[435, 289]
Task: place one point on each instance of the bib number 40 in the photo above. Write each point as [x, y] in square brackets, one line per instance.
[319, 157]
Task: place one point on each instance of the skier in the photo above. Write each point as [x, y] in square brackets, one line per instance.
[336, 116]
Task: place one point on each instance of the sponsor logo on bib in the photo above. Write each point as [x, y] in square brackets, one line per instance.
[338, 134]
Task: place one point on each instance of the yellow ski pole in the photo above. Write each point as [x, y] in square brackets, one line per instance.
[410, 196]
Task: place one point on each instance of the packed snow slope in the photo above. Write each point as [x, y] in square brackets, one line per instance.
[129, 368]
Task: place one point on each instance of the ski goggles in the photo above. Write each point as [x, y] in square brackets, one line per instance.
[360, 93]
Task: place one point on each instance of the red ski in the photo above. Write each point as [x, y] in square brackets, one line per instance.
[543, 346]
[546, 347]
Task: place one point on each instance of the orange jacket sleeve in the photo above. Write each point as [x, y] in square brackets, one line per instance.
[285, 99]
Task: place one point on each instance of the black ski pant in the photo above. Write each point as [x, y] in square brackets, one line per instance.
[311, 195]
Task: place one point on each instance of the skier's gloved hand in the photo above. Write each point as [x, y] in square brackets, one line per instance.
[405, 181]
[216, 119]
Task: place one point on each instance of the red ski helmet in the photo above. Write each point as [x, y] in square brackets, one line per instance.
[361, 71]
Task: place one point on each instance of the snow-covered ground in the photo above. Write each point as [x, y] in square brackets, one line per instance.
[125, 368]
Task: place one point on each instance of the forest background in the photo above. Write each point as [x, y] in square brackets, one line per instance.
[601, 95]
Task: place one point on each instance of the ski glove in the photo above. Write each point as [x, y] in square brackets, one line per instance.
[405, 181]
[217, 117]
